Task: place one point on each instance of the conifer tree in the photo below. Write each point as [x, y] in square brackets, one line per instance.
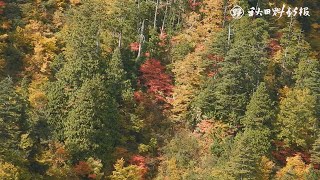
[295, 49]
[259, 111]
[297, 119]
[11, 118]
[243, 162]
[241, 71]
[91, 124]
[307, 76]
[82, 99]
[315, 152]
[117, 78]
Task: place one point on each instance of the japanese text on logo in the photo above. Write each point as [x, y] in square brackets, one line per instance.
[237, 12]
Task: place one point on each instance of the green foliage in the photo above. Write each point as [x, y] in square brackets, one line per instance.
[243, 162]
[240, 72]
[295, 49]
[91, 124]
[118, 82]
[297, 119]
[315, 151]
[11, 119]
[88, 53]
[122, 172]
[260, 110]
[187, 156]
[307, 76]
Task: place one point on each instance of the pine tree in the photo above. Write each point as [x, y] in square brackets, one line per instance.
[315, 152]
[297, 119]
[117, 78]
[259, 111]
[11, 119]
[243, 162]
[307, 76]
[240, 72]
[91, 124]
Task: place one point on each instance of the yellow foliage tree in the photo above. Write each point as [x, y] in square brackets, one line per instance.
[188, 80]
[8, 171]
[121, 172]
[265, 168]
[169, 170]
[295, 169]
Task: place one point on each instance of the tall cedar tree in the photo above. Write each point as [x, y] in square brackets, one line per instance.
[315, 151]
[257, 120]
[91, 124]
[297, 118]
[260, 112]
[294, 49]
[86, 113]
[241, 71]
[11, 119]
[307, 76]
[117, 78]
[242, 163]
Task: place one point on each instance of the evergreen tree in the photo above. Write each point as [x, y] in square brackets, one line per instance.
[307, 76]
[11, 119]
[295, 49]
[243, 162]
[260, 111]
[91, 124]
[297, 119]
[82, 101]
[315, 152]
[82, 54]
[55, 109]
[241, 71]
[116, 75]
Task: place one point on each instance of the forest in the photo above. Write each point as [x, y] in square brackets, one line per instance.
[159, 89]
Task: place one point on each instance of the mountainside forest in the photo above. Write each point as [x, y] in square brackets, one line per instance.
[159, 89]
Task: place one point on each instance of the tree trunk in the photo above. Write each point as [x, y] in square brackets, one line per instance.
[165, 16]
[155, 15]
[141, 38]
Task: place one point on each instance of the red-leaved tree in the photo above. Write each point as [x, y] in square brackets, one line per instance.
[140, 161]
[156, 80]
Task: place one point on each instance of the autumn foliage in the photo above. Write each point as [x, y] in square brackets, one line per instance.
[282, 153]
[82, 169]
[140, 161]
[134, 46]
[156, 80]
[193, 4]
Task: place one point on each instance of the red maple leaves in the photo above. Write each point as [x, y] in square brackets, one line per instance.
[193, 4]
[134, 46]
[82, 169]
[2, 4]
[140, 161]
[156, 80]
[282, 152]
